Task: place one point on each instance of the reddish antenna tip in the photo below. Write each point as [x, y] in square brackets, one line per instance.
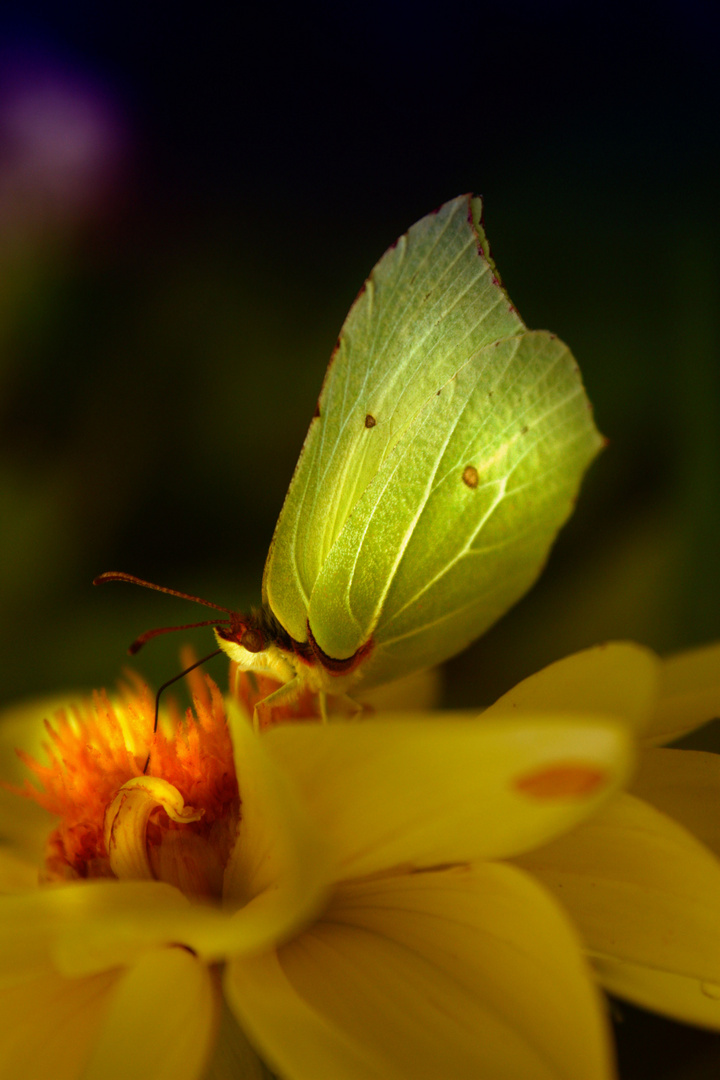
[110, 575]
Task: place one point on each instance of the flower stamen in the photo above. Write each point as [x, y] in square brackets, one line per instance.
[176, 825]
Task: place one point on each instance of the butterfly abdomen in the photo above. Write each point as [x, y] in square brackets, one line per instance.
[309, 652]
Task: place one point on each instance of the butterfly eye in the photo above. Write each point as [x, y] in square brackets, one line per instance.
[252, 640]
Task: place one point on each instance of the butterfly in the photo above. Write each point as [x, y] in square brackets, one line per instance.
[446, 450]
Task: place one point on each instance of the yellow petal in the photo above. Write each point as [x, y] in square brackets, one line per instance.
[676, 996]
[80, 929]
[25, 826]
[16, 873]
[48, 1025]
[113, 923]
[689, 694]
[617, 679]
[685, 785]
[278, 875]
[640, 889]
[161, 1021]
[470, 972]
[233, 1057]
[429, 792]
[84, 928]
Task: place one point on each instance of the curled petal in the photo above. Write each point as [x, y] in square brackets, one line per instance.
[126, 821]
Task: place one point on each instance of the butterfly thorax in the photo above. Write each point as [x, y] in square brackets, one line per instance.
[258, 642]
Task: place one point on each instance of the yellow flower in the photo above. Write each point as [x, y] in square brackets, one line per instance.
[641, 879]
[332, 901]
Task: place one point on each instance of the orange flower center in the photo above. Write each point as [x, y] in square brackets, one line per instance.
[177, 823]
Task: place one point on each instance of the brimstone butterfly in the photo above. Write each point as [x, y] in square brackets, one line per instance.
[446, 451]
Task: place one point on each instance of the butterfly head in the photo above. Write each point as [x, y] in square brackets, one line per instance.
[243, 630]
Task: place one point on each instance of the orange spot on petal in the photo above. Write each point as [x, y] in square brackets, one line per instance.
[563, 781]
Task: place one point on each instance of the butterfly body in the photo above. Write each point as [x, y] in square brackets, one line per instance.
[445, 453]
[258, 643]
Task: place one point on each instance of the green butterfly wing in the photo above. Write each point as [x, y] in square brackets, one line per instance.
[431, 302]
[458, 521]
[447, 450]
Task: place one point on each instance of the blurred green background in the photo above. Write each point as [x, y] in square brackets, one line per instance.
[189, 202]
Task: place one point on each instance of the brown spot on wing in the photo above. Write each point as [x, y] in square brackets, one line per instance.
[470, 476]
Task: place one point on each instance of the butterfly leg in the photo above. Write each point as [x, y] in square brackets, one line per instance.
[285, 695]
[322, 702]
[352, 707]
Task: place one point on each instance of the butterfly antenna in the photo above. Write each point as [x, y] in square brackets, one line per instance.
[169, 683]
[149, 634]
[118, 575]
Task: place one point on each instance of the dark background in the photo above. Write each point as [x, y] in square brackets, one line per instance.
[189, 201]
